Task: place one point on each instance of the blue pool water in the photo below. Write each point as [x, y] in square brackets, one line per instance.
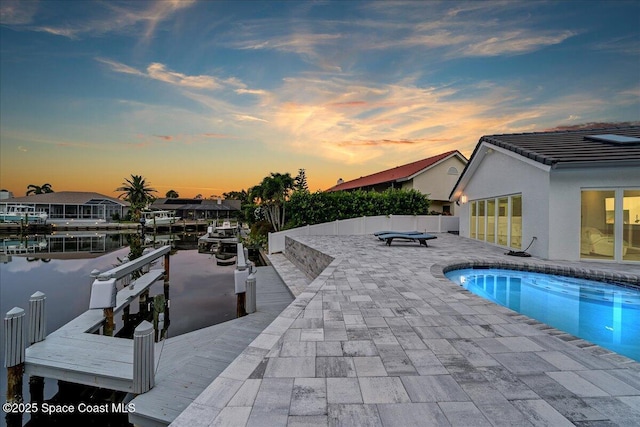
[601, 313]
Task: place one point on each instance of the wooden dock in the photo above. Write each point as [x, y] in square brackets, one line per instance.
[176, 370]
[75, 354]
[188, 363]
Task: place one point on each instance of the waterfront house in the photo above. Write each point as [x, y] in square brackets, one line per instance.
[64, 206]
[434, 176]
[204, 209]
[565, 195]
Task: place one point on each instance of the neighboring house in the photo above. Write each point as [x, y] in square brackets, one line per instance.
[434, 176]
[567, 195]
[73, 205]
[5, 194]
[199, 208]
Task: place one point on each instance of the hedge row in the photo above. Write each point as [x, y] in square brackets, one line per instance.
[304, 208]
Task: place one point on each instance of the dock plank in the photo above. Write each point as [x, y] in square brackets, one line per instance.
[190, 362]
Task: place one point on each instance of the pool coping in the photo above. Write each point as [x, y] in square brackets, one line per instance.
[439, 271]
[612, 277]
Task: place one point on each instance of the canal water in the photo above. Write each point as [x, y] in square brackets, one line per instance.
[201, 292]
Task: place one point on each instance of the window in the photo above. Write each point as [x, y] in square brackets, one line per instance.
[610, 224]
[497, 220]
[503, 221]
[481, 219]
[452, 171]
[491, 221]
[474, 220]
[631, 225]
[516, 222]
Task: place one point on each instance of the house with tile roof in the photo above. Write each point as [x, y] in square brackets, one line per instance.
[433, 176]
[563, 195]
[200, 209]
[63, 206]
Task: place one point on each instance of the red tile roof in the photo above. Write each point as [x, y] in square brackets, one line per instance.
[399, 173]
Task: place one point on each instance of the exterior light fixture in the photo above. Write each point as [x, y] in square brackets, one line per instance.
[464, 199]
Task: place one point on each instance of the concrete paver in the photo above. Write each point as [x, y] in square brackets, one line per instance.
[381, 338]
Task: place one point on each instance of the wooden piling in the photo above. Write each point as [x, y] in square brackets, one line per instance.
[143, 358]
[158, 309]
[109, 324]
[14, 353]
[240, 304]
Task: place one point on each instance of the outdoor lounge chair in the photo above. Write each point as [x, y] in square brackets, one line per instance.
[380, 233]
[421, 238]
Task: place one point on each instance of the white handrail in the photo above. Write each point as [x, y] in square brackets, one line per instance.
[131, 266]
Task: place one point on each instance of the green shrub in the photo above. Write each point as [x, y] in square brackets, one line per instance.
[304, 208]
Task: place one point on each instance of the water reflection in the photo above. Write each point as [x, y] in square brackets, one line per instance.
[201, 292]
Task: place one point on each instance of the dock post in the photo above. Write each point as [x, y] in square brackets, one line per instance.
[158, 310]
[167, 302]
[37, 320]
[143, 358]
[109, 324]
[37, 333]
[14, 354]
[251, 293]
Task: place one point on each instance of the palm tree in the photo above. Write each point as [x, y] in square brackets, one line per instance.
[136, 192]
[37, 189]
[272, 193]
[172, 194]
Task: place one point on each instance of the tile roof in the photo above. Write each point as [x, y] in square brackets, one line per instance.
[559, 149]
[397, 174]
[63, 197]
[569, 148]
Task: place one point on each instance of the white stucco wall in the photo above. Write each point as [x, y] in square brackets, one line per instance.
[500, 174]
[565, 199]
[437, 183]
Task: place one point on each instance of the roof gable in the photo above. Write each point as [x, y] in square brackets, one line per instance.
[397, 174]
[559, 149]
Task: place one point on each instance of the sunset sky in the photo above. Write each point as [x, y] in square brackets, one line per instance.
[206, 97]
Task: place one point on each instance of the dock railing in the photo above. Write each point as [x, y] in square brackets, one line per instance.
[79, 336]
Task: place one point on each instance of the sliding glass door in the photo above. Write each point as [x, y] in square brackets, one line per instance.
[610, 224]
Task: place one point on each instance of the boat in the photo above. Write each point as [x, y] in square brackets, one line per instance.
[22, 214]
[158, 218]
[18, 246]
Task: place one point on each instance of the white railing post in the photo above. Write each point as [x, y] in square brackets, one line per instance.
[143, 358]
[37, 319]
[14, 337]
[14, 360]
[250, 299]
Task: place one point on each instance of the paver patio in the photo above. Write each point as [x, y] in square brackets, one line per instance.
[381, 338]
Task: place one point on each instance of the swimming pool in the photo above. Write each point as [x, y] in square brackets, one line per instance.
[602, 313]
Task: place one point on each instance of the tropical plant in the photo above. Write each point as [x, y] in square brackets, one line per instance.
[137, 193]
[271, 196]
[39, 189]
[172, 194]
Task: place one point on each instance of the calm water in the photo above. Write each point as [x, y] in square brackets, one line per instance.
[601, 313]
[201, 292]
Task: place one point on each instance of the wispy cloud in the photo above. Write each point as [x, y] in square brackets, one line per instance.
[157, 71]
[142, 18]
[515, 42]
[17, 12]
[164, 137]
